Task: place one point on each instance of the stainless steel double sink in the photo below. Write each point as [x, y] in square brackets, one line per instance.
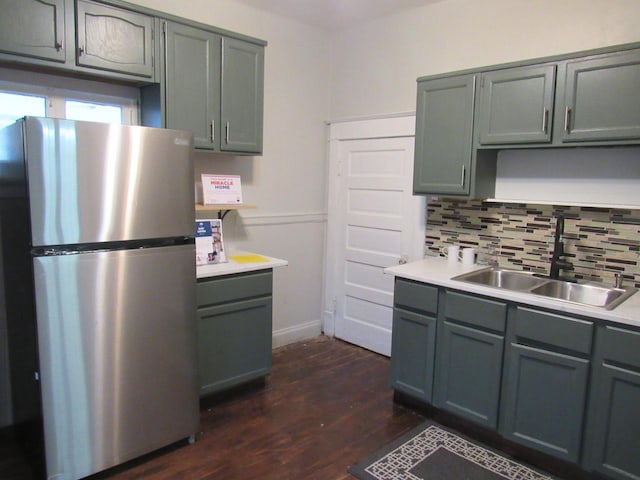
[527, 282]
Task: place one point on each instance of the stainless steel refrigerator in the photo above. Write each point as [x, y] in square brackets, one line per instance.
[98, 253]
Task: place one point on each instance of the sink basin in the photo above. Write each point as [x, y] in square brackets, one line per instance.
[502, 278]
[582, 294]
[593, 295]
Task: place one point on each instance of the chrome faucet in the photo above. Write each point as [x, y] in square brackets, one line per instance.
[558, 251]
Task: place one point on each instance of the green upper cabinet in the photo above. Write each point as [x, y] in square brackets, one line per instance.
[516, 105]
[114, 39]
[214, 88]
[601, 101]
[192, 83]
[444, 129]
[613, 439]
[242, 96]
[107, 41]
[33, 29]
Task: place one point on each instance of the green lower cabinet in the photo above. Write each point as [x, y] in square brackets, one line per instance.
[234, 330]
[613, 435]
[469, 357]
[413, 339]
[413, 346]
[546, 374]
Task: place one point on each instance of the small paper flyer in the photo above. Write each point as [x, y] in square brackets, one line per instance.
[209, 242]
[221, 189]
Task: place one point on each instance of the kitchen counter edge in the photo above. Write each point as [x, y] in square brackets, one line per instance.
[438, 271]
[231, 267]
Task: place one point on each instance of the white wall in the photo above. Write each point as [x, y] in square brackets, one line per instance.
[375, 65]
[287, 183]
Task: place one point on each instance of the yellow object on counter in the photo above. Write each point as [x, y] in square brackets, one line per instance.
[249, 258]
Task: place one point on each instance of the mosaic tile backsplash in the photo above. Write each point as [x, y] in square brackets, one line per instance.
[598, 242]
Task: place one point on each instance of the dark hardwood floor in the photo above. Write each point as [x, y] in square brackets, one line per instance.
[326, 405]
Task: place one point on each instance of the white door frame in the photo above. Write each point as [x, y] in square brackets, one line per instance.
[374, 128]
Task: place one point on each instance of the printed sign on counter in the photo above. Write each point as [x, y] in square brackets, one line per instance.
[209, 242]
[221, 189]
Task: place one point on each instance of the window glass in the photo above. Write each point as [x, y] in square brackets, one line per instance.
[15, 105]
[93, 112]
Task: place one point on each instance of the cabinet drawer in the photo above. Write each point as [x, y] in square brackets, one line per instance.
[230, 288]
[555, 330]
[476, 311]
[415, 296]
[622, 346]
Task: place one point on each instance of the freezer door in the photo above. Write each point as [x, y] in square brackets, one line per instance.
[93, 182]
[118, 360]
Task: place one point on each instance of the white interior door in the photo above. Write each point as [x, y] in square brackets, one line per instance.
[374, 222]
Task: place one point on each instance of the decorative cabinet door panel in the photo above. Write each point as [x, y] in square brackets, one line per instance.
[114, 39]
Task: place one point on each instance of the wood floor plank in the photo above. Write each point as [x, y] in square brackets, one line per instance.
[326, 405]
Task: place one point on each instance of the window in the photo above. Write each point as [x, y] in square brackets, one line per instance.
[94, 112]
[45, 95]
[16, 105]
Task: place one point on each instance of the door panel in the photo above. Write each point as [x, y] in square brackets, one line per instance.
[44, 38]
[242, 96]
[193, 83]
[114, 39]
[92, 182]
[601, 98]
[118, 356]
[516, 105]
[377, 222]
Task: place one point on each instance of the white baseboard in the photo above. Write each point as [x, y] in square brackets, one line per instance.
[296, 333]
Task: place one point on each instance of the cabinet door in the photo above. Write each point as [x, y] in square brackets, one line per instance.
[469, 356]
[515, 105]
[193, 83]
[468, 373]
[613, 441]
[44, 37]
[114, 39]
[413, 345]
[444, 127]
[543, 400]
[242, 96]
[234, 343]
[601, 98]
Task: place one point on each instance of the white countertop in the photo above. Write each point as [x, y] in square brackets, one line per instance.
[232, 266]
[438, 271]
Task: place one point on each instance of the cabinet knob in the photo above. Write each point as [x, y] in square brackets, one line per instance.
[59, 45]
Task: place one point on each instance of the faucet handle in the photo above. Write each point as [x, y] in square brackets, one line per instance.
[618, 277]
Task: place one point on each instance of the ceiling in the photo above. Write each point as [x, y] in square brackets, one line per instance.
[335, 14]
